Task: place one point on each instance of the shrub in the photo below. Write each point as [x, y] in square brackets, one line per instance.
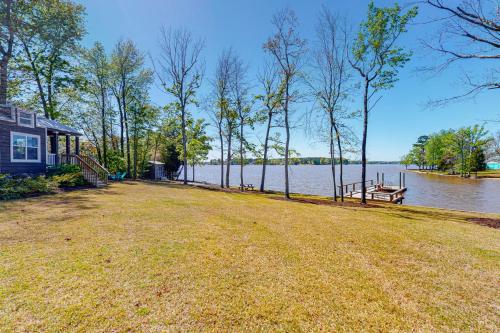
[14, 188]
[116, 163]
[64, 169]
[70, 179]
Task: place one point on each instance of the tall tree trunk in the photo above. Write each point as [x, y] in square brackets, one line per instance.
[193, 172]
[122, 125]
[3, 80]
[38, 81]
[287, 142]
[332, 156]
[157, 140]
[363, 144]
[241, 155]
[341, 160]
[50, 100]
[221, 157]
[103, 124]
[6, 51]
[136, 142]
[228, 159]
[146, 149]
[264, 160]
[125, 120]
[184, 144]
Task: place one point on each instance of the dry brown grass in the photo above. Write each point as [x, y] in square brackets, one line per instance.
[152, 258]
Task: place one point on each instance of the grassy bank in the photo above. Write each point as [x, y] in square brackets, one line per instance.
[145, 257]
[489, 174]
[480, 174]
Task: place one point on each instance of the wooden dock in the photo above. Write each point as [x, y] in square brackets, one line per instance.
[377, 190]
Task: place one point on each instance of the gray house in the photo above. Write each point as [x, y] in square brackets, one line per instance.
[29, 143]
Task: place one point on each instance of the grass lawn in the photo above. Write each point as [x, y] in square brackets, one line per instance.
[489, 174]
[480, 174]
[153, 258]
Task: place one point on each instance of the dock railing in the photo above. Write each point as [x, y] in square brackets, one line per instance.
[377, 189]
[350, 189]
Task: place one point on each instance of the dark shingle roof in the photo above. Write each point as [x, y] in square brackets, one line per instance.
[54, 125]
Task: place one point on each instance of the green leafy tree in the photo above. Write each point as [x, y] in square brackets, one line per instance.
[130, 79]
[199, 143]
[406, 160]
[434, 150]
[96, 72]
[50, 38]
[142, 117]
[377, 59]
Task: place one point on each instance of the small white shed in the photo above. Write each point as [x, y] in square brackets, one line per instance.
[156, 170]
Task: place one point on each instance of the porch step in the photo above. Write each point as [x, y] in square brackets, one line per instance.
[100, 184]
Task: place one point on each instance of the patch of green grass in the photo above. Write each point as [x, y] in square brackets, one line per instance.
[489, 174]
[150, 257]
[480, 174]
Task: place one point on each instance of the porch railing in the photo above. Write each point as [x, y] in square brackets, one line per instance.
[101, 172]
[51, 159]
[92, 171]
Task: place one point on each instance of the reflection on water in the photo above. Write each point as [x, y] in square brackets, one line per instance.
[482, 195]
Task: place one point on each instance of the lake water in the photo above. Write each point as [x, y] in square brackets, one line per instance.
[481, 195]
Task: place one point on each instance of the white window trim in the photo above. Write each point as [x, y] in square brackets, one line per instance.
[12, 115]
[24, 125]
[13, 160]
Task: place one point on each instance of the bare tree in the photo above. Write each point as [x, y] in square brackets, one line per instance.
[288, 49]
[470, 32]
[239, 90]
[180, 72]
[330, 82]
[271, 101]
[6, 45]
[221, 90]
[230, 125]
[494, 151]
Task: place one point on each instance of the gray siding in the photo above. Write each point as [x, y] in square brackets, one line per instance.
[18, 168]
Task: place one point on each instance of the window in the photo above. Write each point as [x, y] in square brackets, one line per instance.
[7, 113]
[25, 147]
[26, 119]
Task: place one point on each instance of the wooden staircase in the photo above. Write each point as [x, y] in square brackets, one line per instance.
[93, 172]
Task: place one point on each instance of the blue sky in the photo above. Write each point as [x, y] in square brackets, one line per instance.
[398, 119]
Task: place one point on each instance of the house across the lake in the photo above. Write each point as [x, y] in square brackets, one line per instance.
[29, 143]
[493, 165]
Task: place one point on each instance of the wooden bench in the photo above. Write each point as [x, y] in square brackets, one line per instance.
[246, 187]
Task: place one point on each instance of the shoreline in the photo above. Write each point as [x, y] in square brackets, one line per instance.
[317, 199]
[495, 174]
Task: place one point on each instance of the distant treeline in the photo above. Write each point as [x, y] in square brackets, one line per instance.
[301, 161]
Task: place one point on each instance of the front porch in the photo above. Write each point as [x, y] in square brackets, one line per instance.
[55, 132]
[54, 154]
[63, 147]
